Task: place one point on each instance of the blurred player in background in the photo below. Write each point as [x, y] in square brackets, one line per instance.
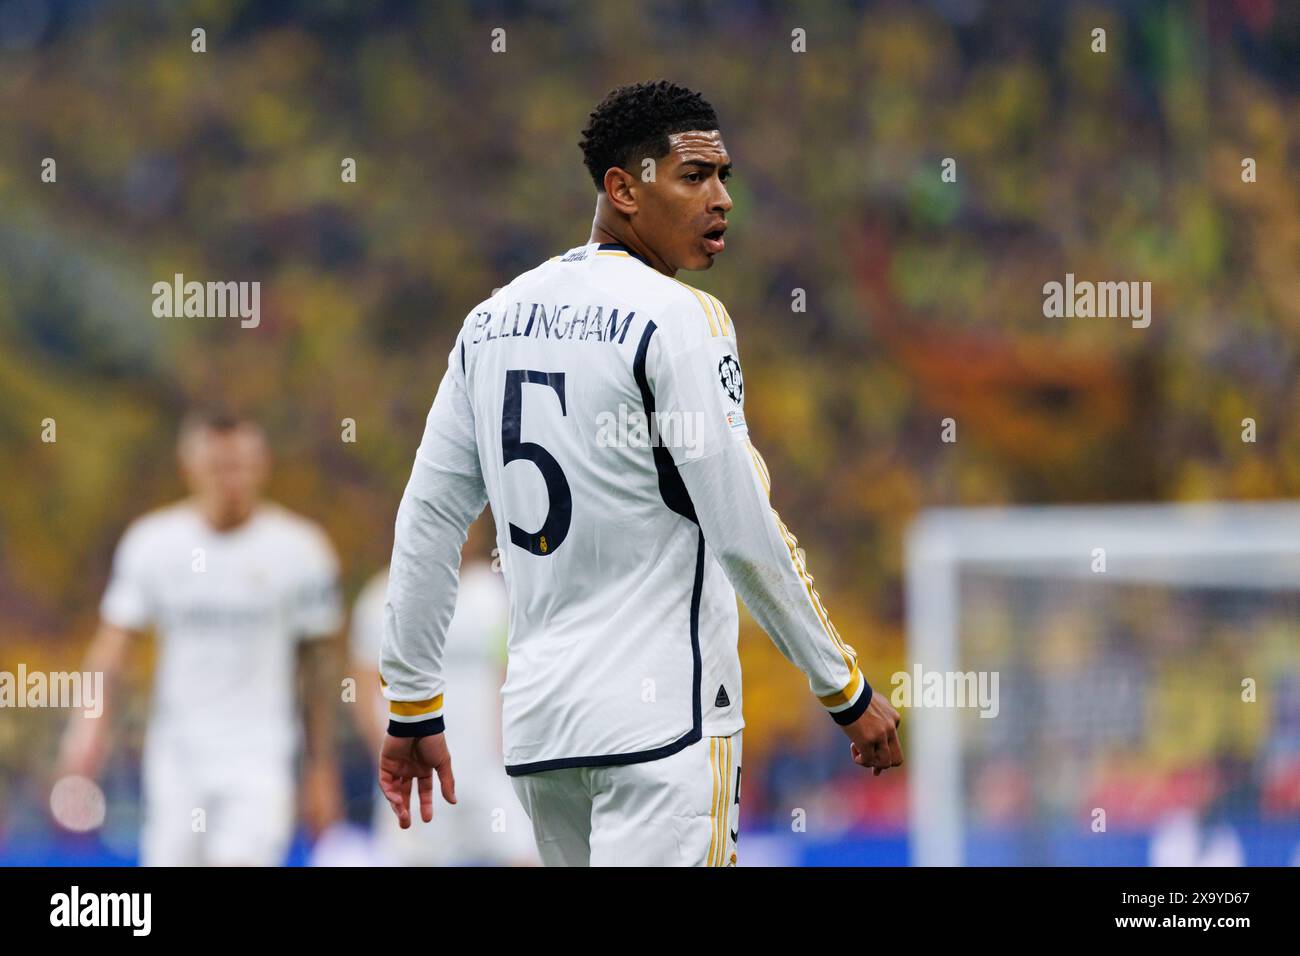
[242, 595]
[623, 552]
[486, 826]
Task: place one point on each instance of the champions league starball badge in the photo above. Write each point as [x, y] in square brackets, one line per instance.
[729, 376]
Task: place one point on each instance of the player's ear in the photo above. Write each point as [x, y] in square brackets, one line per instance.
[620, 190]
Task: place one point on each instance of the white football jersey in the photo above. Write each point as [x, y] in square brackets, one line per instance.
[598, 405]
[228, 608]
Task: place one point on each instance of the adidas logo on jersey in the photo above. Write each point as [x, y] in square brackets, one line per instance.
[722, 700]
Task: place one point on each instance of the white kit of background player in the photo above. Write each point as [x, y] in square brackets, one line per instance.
[622, 702]
[222, 731]
[486, 827]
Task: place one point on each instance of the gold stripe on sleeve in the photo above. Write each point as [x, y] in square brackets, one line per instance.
[723, 317]
[801, 569]
[708, 309]
[848, 693]
[847, 653]
[760, 466]
[415, 708]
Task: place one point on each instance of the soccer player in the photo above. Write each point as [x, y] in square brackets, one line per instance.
[597, 403]
[486, 826]
[242, 595]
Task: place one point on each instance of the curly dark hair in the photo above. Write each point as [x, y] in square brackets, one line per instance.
[633, 122]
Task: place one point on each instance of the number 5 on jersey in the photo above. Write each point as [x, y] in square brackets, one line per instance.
[559, 512]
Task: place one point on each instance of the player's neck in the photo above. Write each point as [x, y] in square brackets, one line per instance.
[221, 519]
[603, 230]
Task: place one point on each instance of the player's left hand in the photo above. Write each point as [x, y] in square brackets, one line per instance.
[404, 759]
[874, 737]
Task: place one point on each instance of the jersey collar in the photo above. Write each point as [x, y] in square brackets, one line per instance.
[622, 248]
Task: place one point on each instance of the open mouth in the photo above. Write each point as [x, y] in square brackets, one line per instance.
[713, 241]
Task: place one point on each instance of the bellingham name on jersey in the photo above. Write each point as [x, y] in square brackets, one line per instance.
[551, 323]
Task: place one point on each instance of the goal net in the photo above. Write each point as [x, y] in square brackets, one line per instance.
[1104, 685]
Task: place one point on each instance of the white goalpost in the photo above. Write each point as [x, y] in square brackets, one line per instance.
[1092, 613]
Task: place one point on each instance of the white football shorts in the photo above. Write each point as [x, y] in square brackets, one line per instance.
[205, 813]
[681, 810]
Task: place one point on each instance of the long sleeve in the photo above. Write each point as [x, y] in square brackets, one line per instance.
[729, 485]
[444, 495]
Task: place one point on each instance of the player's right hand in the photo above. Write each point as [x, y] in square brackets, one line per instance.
[874, 736]
[404, 759]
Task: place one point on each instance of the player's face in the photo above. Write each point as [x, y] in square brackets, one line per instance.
[226, 470]
[687, 204]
